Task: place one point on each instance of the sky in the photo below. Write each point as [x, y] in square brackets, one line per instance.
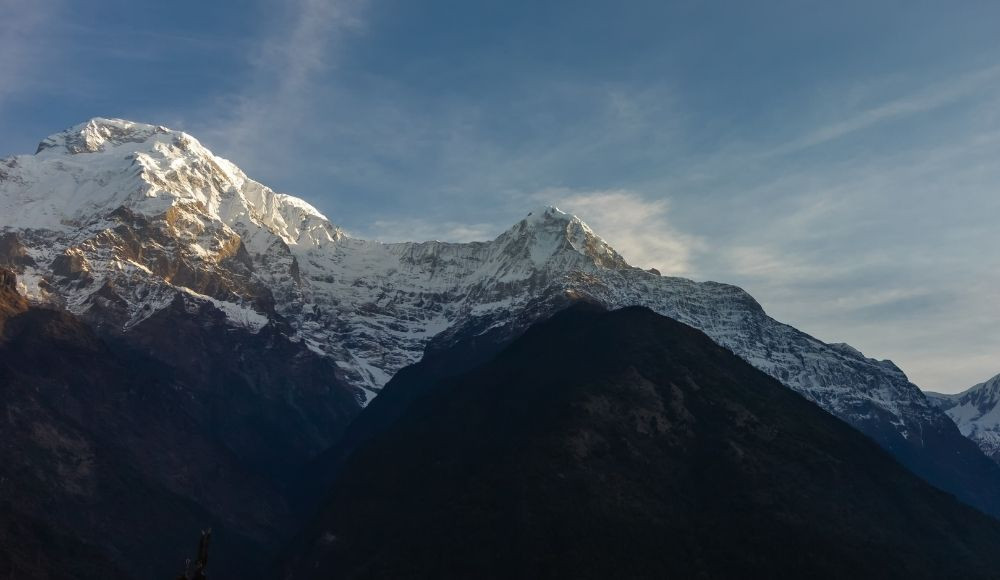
[839, 160]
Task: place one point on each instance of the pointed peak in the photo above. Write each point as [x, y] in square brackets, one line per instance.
[548, 211]
[94, 135]
[148, 169]
[550, 231]
[549, 214]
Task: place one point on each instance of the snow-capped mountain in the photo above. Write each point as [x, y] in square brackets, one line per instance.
[976, 411]
[116, 220]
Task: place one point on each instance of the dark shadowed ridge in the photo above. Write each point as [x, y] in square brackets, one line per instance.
[625, 444]
[115, 455]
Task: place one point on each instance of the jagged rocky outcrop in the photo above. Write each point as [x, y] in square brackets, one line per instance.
[976, 411]
[117, 219]
[627, 445]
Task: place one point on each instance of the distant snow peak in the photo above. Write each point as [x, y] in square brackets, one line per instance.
[976, 412]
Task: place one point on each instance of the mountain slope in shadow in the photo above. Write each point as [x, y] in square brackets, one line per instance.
[115, 455]
[626, 444]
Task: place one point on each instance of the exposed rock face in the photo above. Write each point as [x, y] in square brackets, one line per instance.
[625, 444]
[13, 254]
[11, 302]
[120, 218]
[117, 452]
[8, 289]
[976, 411]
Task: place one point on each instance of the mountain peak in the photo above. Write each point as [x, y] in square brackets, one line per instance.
[976, 412]
[85, 173]
[547, 231]
[94, 135]
[548, 213]
[550, 216]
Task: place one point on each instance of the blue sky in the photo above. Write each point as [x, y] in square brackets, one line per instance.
[836, 159]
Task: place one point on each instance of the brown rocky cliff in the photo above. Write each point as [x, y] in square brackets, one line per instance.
[11, 301]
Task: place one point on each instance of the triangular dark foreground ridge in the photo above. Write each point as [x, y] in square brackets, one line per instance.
[625, 444]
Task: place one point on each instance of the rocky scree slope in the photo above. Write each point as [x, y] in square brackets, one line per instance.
[117, 221]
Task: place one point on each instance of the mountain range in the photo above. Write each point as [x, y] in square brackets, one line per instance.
[274, 327]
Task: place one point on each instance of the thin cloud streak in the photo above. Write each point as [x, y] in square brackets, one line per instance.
[879, 254]
[19, 50]
[420, 230]
[930, 98]
[290, 69]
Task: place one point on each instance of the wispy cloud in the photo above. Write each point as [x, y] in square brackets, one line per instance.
[887, 252]
[415, 229]
[926, 99]
[20, 52]
[289, 71]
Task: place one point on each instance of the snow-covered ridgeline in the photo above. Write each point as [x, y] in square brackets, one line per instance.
[115, 217]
